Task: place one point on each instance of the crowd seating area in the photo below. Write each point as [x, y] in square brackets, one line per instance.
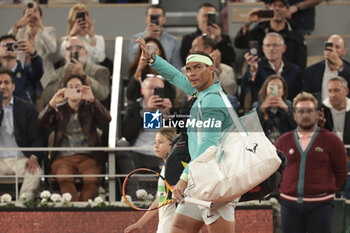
[118, 22]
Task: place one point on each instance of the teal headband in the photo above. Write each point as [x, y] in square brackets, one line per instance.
[199, 58]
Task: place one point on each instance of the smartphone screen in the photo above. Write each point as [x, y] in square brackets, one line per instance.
[328, 45]
[211, 19]
[253, 47]
[155, 19]
[265, 14]
[159, 91]
[75, 55]
[274, 90]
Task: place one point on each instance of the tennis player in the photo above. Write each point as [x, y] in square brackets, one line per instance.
[162, 145]
[199, 81]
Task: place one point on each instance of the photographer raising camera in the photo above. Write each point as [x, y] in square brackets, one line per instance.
[74, 113]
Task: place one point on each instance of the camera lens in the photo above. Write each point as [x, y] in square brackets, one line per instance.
[15, 46]
[30, 5]
[78, 91]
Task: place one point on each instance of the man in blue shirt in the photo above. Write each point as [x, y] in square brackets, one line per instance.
[25, 76]
[19, 129]
[155, 18]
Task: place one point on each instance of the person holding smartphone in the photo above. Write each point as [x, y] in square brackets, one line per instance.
[43, 38]
[76, 63]
[274, 110]
[213, 30]
[273, 20]
[81, 26]
[155, 18]
[74, 112]
[334, 64]
[273, 63]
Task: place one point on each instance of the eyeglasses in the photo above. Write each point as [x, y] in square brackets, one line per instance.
[272, 45]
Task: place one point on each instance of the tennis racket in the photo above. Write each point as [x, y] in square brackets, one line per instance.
[140, 189]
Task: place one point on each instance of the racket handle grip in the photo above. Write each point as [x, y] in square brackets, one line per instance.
[194, 201]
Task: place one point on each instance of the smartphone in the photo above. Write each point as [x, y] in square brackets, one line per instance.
[327, 45]
[265, 14]
[81, 15]
[274, 90]
[159, 91]
[75, 55]
[155, 19]
[12, 46]
[151, 48]
[211, 19]
[253, 47]
[72, 93]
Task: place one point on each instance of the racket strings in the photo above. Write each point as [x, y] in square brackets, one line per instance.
[141, 189]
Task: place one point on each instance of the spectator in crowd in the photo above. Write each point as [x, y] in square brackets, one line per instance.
[76, 63]
[26, 76]
[317, 75]
[18, 128]
[155, 19]
[80, 25]
[139, 69]
[273, 63]
[302, 15]
[316, 170]
[274, 110]
[296, 46]
[336, 112]
[132, 127]
[73, 112]
[43, 39]
[223, 42]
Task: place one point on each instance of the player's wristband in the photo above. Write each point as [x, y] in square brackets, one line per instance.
[184, 177]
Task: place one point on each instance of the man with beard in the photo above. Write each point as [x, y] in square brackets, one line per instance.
[296, 49]
[26, 76]
[317, 76]
[97, 76]
[43, 39]
[316, 170]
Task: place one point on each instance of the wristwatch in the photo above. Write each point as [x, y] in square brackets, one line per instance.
[153, 58]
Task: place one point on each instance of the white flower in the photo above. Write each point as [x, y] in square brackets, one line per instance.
[91, 203]
[45, 194]
[66, 197]
[6, 198]
[55, 197]
[43, 201]
[141, 193]
[150, 197]
[98, 200]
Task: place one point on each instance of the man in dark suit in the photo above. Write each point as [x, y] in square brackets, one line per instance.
[19, 129]
[318, 75]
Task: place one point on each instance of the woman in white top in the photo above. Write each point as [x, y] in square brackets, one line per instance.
[80, 25]
[43, 39]
[166, 213]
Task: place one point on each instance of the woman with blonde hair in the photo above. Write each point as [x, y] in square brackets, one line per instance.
[80, 25]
